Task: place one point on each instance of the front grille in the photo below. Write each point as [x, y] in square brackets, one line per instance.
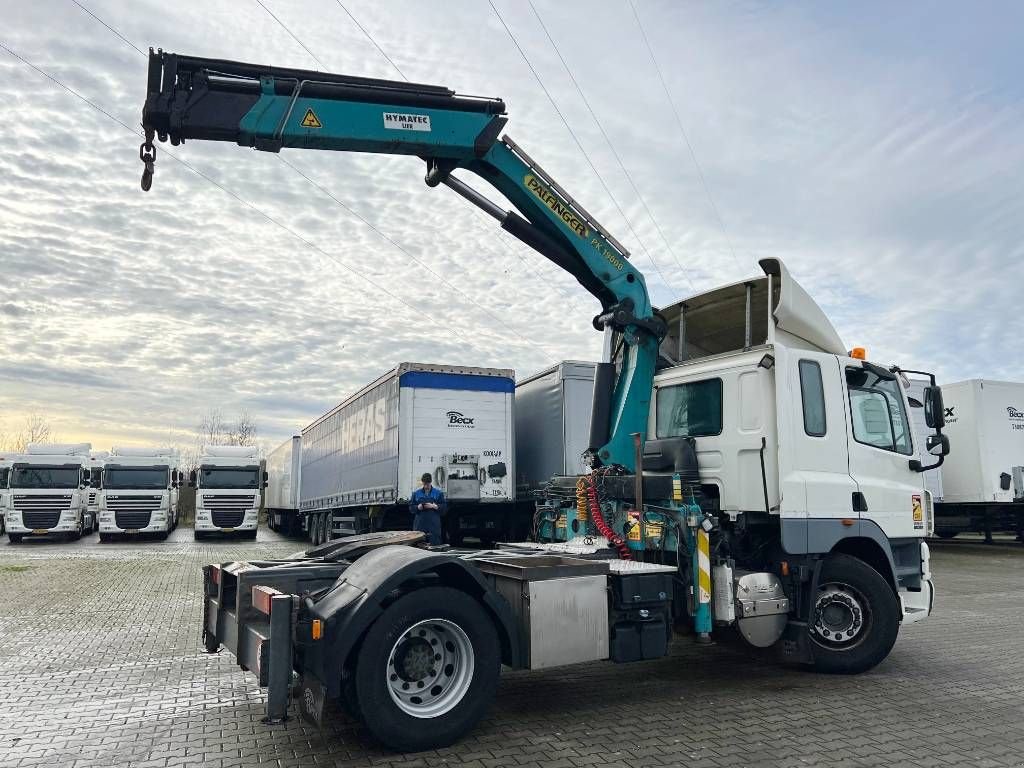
[39, 519]
[230, 501]
[117, 503]
[131, 520]
[44, 502]
[227, 518]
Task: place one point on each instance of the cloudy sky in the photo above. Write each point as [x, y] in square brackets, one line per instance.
[876, 148]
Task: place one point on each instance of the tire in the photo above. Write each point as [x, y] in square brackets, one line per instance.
[106, 537]
[465, 687]
[76, 535]
[15, 537]
[848, 585]
[162, 536]
[251, 535]
[198, 535]
[946, 534]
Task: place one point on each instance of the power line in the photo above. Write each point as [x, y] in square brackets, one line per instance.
[686, 137]
[530, 265]
[370, 38]
[611, 146]
[237, 197]
[579, 144]
[101, 21]
[291, 34]
[366, 222]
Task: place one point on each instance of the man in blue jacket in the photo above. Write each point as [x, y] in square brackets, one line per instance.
[427, 505]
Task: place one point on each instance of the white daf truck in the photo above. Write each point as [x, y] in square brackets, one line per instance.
[138, 493]
[5, 473]
[49, 492]
[228, 484]
[96, 459]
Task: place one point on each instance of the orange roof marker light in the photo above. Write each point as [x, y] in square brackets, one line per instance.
[859, 353]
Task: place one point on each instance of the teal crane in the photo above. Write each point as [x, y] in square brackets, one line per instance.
[273, 108]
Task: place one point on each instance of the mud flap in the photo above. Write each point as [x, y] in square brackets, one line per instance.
[795, 645]
[312, 696]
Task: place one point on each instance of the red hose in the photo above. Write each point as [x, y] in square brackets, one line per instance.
[602, 526]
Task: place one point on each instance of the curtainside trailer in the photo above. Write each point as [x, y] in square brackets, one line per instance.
[362, 460]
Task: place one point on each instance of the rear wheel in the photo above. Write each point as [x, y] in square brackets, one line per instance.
[854, 619]
[427, 670]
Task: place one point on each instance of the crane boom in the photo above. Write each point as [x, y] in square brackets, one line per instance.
[273, 108]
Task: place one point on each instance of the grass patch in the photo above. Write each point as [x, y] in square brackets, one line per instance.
[14, 568]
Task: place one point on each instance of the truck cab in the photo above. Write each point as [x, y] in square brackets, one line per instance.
[138, 493]
[796, 436]
[228, 484]
[49, 492]
[5, 473]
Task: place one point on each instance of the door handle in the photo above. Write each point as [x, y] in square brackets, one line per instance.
[860, 504]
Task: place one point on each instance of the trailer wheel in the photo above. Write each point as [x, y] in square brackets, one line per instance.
[854, 619]
[427, 670]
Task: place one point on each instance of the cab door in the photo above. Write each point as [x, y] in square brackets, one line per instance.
[881, 447]
[819, 458]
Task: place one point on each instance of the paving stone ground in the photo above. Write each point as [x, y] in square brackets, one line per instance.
[100, 665]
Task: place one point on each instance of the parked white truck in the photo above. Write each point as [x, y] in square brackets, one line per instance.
[49, 492]
[228, 484]
[5, 473]
[980, 487]
[96, 459]
[138, 492]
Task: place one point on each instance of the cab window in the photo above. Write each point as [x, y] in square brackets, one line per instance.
[877, 412]
[812, 396]
[693, 409]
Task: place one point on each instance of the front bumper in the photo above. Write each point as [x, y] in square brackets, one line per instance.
[155, 526]
[204, 522]
[68, 523]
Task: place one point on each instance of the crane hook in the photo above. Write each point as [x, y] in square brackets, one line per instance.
[147, 154]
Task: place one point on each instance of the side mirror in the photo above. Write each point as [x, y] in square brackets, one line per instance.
[85, 477]
[266, 476]
[192, 478]
[934, 412]
[937, 445]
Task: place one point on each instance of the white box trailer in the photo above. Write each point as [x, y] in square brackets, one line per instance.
[553, 409]
[983, 476]
[362, 460]
[284, 477]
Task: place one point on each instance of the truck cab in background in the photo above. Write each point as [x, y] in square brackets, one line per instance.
[139, 492]
[228, 485]
[49, 492]
[96, 459]
[5, 473]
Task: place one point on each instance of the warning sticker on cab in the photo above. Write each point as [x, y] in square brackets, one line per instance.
[915, 503]
[310, 120]
[397, 121]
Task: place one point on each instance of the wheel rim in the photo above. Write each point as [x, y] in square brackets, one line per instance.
[430, 668]
[841, 617]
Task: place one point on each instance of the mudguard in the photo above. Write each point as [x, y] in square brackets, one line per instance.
[358, 596]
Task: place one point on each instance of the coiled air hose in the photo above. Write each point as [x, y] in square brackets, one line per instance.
[599, 521]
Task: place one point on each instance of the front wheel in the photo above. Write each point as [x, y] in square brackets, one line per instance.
[854, 619]
[15, 537]
[427, 670]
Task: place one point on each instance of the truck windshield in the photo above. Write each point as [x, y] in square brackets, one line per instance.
[876, 407]
[229, 477]
[43, 476]
[135, 477]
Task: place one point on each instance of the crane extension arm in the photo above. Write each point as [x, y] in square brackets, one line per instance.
[271, 108]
